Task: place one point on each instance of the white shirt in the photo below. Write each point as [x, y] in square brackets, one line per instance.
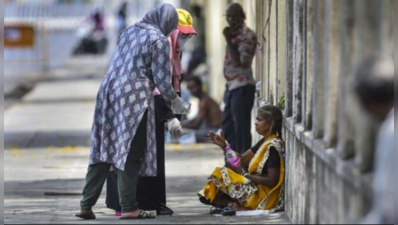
[383, 210]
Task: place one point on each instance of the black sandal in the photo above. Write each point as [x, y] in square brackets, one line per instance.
[228, 211]
[215, 210]
[165, 211]
[90, 216]
[143, 215]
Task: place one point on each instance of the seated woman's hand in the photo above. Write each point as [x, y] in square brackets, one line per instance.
[218, 139]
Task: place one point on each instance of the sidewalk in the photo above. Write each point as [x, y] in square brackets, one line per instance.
[46, 155]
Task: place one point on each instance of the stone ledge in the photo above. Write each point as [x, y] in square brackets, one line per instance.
[347, 169]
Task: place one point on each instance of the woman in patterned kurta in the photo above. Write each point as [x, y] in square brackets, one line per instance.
[262, 186]
[123, 133]
[151, 191]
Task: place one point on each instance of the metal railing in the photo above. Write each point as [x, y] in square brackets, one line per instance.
[50, 20]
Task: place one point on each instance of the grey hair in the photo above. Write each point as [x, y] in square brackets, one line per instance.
[272, 113]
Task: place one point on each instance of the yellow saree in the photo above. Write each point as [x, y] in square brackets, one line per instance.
[248, 194]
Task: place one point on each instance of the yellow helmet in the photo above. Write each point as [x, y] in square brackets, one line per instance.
[185, 22]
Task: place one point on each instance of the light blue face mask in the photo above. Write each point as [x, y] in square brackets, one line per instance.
[181, 41]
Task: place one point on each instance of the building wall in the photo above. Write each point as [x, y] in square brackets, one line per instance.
[215, 46]
[306, 59]
[309, 58]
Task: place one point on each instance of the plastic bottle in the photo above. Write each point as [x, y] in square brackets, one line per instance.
[232, 158]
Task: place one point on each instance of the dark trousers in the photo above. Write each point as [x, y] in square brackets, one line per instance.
[151, 191]
[127, 179]
[237, 117]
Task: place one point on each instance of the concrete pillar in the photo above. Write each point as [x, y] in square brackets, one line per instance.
[347, 105]
[258, 75]
[251, 21]
[332, 67]
[250, 9]
[298, 60]
[260, 23]
[304, 67]
[266, 52]
[319, 63]
[273, 43]
[310, 69]
[281, 48]
[216, 46]
[289, 59]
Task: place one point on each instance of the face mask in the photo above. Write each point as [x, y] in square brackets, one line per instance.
[181, 42]
[182, 39]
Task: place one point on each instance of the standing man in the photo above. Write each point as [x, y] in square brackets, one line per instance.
[375, 90]
[240, 90]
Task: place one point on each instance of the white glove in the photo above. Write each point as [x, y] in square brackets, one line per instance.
[178, 106]
[175, 128]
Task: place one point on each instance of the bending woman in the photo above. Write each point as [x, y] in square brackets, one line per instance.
[123, 133]
[258, 182]
[151, 191]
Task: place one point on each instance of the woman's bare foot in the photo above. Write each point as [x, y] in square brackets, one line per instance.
[138, 214]
[236, 206]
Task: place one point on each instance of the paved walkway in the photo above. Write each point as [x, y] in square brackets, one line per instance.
[46, 154]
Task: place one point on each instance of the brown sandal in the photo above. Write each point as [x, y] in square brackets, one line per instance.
[90, 216]
[143, 215]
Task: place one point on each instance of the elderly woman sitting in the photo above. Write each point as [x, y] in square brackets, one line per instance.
[257, 181]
